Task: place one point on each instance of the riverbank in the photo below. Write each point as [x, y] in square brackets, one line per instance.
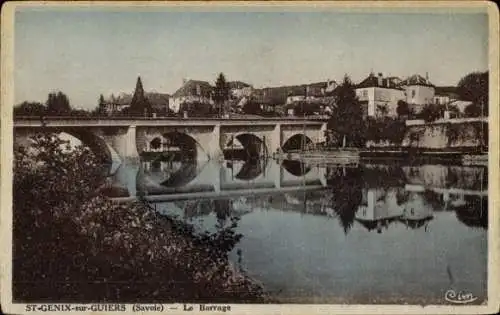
[71, 242]
[353, 156]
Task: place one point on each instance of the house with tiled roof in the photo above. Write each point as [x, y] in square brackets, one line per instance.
[419, 92]
[192, 91]
[379, 95]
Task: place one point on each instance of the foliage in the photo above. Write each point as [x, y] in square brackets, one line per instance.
[101, 106]
[30, 109]
[77, 245]
[474, 88]
[302, 108]
[432, 112]
[472, 110]
[385, 129]
[347, 195]
[58, 104]
[196, 109]
[403, 110]
[221, 91]
[252, 107]
[140, 105]
[347, 116]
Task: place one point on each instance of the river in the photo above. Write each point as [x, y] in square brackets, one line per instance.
[375, 233]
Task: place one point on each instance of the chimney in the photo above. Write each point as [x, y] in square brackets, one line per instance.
[379, 79]
[198, 90]
[427, 77]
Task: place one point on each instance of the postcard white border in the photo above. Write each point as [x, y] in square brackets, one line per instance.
[7, 101]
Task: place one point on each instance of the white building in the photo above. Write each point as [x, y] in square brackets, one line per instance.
[419, 92]
[192, 91]
[379, 96]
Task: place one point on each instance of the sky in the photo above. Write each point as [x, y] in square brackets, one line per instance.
[88, 52]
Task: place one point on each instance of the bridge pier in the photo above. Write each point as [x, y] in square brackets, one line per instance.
[125, 145]
[213, 149]
[275, 140]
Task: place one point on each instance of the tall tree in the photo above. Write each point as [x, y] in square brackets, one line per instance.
[58, 104]
[474, 88]
[140, 104]
[346, 120]
[221, 93]
[102, 105]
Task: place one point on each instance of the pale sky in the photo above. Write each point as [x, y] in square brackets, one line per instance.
[84, 53]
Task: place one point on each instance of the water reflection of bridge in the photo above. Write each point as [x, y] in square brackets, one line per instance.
[161, 181]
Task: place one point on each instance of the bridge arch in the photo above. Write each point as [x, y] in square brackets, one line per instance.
[297, 142]
[189, 148]
[102, 150]
[253, 145]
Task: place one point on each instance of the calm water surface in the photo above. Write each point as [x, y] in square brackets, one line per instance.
[377, 232]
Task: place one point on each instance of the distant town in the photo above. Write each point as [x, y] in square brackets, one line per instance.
[378, 95]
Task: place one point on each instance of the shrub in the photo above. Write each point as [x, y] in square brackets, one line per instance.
[72, 243]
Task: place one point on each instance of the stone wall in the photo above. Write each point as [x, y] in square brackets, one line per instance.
[443, 136]
[438, 136]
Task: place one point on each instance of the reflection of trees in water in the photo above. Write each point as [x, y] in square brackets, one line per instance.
[346, 195]
[433, 200]
[377, 225]
[474, 213]
[415, 224]
[222, 208]
[402, 197]
[382, 176]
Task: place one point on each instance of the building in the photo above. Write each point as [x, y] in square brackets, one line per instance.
[160, 102]
[192, 91]
[419, 92]
[239, 89]
[379, 208]
[116, 104]
[379, 96]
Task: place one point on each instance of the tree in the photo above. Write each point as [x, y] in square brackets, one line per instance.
[101, 107]
[472, 110]
[252, 107]
[221, 93]
[30, 109]
[474, 88]
[302, 108]
[432, 112]
[403, 110]
[195, 109]
[139, 105]
[346, 120]
[58, 104]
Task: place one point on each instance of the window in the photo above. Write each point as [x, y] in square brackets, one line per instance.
[412, 93]
[365, 93]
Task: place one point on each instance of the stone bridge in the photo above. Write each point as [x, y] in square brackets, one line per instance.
[201, 139]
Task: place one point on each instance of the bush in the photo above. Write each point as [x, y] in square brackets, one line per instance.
[385, 129]
[72, 243]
